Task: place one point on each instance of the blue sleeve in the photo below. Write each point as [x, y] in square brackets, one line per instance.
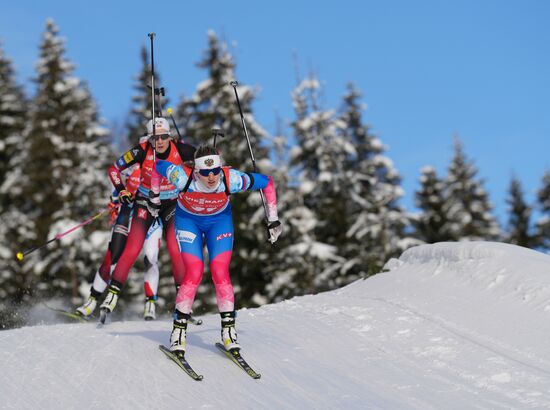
[174, 173]
[260, 181]
[244, 181]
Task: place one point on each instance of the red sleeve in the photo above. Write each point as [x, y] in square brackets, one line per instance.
[136, 155]
[116, 178]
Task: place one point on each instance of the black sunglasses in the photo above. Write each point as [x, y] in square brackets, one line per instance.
[163, 137]
[206, 172]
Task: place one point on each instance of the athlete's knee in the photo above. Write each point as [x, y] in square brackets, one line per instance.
[194, 268]
[132, 250]
[105, 268]
[219, 266]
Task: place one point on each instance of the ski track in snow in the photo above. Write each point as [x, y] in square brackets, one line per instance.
[450, 326]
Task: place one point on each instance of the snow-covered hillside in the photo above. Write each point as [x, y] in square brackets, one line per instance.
[451, 325]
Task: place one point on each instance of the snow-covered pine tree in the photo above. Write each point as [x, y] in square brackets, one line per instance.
[469, 209]
[140, 111]
[519, 225]
[12, 117]
[319, 161]
[13, 224]
[213, 105]
[65, 172]
[431, 223]
[542, 226]
[290, 268]
[378, 229]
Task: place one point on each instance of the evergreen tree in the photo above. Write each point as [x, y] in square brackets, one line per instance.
[140, 112]
[296, 258]
[542, 228]
[432, 224]
[519, 216]
[14, 226]
[65, 179]
[322, 155]
[319, 160]
[214, 105]
[378, 229]
[12, 118]
[469, 209]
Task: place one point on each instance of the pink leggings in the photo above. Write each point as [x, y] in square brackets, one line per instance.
[194, 268]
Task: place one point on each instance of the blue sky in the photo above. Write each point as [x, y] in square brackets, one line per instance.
[428, 70]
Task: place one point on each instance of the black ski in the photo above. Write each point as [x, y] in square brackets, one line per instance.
[181, 362]
[235, 356]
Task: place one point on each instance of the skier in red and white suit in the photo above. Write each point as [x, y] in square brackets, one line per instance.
[121, 216]
[142, 215]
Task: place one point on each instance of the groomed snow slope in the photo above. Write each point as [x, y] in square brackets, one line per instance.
[451, 325]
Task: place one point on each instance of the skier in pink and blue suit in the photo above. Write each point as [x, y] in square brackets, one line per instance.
[204, 213]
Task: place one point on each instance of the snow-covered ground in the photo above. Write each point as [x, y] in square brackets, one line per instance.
[450, 326]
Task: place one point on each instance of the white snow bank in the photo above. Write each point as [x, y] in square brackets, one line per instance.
[497, 270]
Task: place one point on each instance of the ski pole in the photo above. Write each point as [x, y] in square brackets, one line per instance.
[216, 132]
[152, 37]
[234, 85]
[21, 255]
[174, 122]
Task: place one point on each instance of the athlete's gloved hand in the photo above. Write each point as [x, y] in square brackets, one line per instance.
[125, 197]
[274, 230]
[153, 204]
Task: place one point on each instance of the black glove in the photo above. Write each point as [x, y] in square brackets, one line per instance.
[274, 230]
[125, 197]
[153, 204]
